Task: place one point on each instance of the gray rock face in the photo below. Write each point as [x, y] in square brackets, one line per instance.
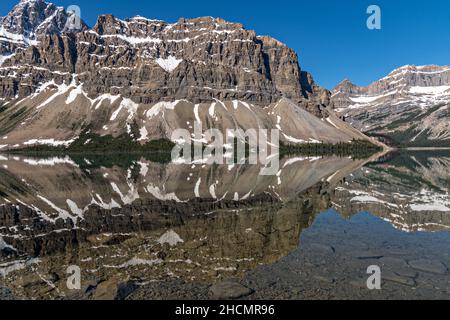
[114, 77]
[410, 106]
[195, 59]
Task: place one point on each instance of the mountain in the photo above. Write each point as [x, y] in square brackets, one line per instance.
[409, 190]
[144, 78]
[130, 213]
[409, 107]
[29, 21]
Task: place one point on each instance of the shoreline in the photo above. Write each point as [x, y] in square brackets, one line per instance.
[426, 148]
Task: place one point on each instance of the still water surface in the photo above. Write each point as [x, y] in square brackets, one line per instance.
[144, 230]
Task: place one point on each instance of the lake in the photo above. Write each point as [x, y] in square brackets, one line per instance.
[138, 229]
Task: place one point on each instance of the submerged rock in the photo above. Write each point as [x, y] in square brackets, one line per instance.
[228, 290]
[433, 266]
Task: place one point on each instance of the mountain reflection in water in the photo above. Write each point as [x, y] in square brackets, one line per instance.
[155, 229]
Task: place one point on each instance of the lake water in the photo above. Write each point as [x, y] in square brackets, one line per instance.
[137, 229]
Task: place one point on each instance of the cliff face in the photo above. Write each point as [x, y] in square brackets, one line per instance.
[152, 76]
[195, 59]
[410, 106]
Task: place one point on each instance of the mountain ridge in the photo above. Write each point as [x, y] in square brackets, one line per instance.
[124, 76]
[143, 37]
[410, 106]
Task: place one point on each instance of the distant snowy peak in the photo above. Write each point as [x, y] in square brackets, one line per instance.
[29, 20]
[402, 80]
[421, 84]
[417, 70]
[411, 105]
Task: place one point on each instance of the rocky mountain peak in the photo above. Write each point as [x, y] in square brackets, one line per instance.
[425, 76]
[400, 81]
[143, 77]
[408, 69]
[410, 105]
[29, 21]
[346, 86]
[31, 18]
[199, 59]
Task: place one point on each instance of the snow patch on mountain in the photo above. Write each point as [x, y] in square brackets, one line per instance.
[144, 134]
[430, 90]
[7, 36]
[51, 142]
[171, 238]
[161, 194]
[50, 161]
[74, 94]
[61, 89]
[169, 64]
[364, 99]
[159, 107]
[4, 57]
[126, 104]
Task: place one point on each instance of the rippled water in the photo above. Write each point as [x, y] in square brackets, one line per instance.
[144, 230]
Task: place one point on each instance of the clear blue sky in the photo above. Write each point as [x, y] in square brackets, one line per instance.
[330, 36]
